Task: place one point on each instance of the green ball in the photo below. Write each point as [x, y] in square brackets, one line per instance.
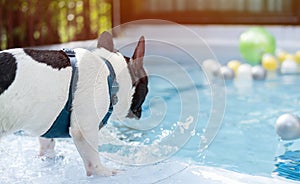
[254, 43]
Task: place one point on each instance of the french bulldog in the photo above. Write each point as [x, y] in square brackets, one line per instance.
[46, 92]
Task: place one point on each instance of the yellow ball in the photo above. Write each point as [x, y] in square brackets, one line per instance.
[281, 55]
[269, 62]
[290, 57]
[297, 57]
[234, 65]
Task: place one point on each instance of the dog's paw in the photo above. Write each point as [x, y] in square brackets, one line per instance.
[103, 171]
[52, 158]
[49, 154]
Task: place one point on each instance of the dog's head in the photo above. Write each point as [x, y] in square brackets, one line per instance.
[131, 76]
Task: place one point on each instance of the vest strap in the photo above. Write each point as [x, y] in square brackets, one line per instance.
[113, 87]
[60, 127]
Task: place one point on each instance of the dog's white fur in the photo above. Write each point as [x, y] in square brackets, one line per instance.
[26, 101]
[37, 86]
[24, 105]
[92, 98]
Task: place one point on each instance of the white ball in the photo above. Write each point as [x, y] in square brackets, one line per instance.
[244, 72]
[287, 127]
[226, 72]
[289, 67]
[258, 72]
[211, 67]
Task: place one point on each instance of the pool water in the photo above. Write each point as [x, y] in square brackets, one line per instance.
[248, 128]
[247, 141]
[171, 143]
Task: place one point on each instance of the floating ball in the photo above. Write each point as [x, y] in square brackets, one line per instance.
[290, 57]
[254, 43]
[289, 67]
[244, 72]
[287, 127]
[234, 65]
[226, 72]
[297, 57]
[258, 72]
[281, 55]
[211, 67]
[269, 62]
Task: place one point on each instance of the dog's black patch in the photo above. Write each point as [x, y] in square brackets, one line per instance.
[140, 82]
[8, 68]
[55, 59]
[138, 98]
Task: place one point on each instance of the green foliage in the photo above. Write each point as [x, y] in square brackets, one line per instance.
[36, 22]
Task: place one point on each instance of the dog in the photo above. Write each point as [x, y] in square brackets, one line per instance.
[71, 93]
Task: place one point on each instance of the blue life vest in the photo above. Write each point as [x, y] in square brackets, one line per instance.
[60, 127]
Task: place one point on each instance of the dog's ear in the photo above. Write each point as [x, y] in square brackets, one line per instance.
[139, 53]
[105, 40]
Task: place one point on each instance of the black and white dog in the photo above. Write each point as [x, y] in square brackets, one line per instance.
[53, 93]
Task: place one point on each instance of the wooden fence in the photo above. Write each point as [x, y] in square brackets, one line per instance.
[270, 12]
[41, 22]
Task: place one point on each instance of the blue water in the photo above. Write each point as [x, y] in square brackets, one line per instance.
[288, 165]
[246, 142]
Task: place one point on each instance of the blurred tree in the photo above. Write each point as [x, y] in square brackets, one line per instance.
[35, 22]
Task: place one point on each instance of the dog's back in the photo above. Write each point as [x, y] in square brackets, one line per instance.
[32, 90]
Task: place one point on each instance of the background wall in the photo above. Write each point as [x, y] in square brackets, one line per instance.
[42, 22]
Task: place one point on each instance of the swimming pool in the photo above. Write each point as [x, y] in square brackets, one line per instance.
[246, 142]
[167, 146]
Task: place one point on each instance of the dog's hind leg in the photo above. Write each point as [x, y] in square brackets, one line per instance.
[47, 147]
[90, 104]
[88, 150]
